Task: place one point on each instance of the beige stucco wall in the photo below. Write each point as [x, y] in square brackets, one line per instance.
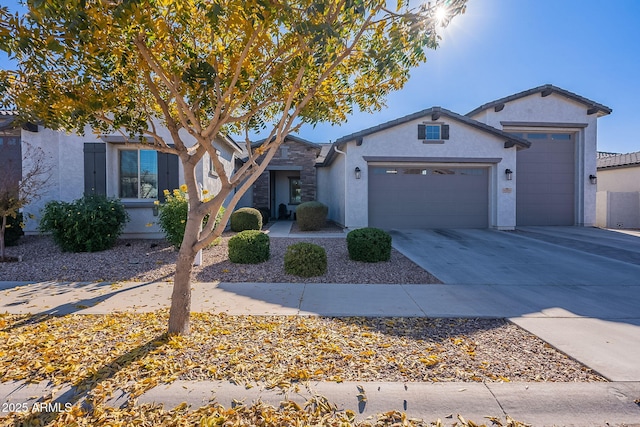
[619, 179]
[618, 203]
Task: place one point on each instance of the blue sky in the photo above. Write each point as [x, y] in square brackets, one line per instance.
[500, 47]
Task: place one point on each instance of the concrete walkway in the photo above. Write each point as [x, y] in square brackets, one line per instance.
[283, 229]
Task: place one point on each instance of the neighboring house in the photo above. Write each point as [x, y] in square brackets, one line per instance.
[104, 164]
[290, 177]
[520, 160]
[618, 198]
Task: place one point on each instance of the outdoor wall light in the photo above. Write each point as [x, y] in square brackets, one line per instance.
[509, 174]
[593, 179]
[358, 172]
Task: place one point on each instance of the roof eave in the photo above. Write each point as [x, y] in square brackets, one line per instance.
[545, 90]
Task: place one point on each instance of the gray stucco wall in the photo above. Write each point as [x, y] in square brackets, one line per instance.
[65, 154]
[464, 143]
[555, 109]
[331, 188]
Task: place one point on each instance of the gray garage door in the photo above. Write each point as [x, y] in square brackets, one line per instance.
[428, 197]
[545, 189]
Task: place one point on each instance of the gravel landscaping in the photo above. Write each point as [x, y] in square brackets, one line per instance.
[154, 260]
[277, 349]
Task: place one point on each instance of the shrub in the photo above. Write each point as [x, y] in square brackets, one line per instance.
[13, 231]
[266, 214]
[249, 247]
[305, 260]
[311, 216]
[369, 245]
[90, 224]
[246, 219]
[173, 216]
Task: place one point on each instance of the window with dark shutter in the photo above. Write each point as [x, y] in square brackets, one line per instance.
[444, 131]
[422, 132]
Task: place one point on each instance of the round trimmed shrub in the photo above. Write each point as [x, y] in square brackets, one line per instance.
[246, 219]
[249, 247]
[90, 224]
[311, 216]
[266, 214]
[305, 260]
[13, 231]
[369, 245]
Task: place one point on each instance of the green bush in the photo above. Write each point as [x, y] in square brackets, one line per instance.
[305, 260]
[311, 216]
[173, 216]
[249, 247]
[369, 245]
[246, 219]
[13, 231]
[90, 224]
[266, 214]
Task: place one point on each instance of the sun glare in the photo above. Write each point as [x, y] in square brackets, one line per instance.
[441, 15]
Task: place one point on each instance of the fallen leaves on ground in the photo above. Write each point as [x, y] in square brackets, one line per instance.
[130, 350]
[99, 354]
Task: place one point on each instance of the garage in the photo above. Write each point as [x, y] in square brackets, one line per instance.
[428, 197]
[546, 180]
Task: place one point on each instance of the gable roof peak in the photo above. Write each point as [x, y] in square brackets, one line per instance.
[544, 91]
[435, 113]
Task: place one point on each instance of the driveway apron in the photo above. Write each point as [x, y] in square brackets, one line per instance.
[576, 288]
[545, 256]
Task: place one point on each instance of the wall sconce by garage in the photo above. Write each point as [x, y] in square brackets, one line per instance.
[509, 174]
[593, 179]
[358, 172]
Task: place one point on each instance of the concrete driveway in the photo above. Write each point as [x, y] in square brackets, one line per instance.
[527, 256]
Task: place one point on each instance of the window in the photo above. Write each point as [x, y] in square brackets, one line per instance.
[138, 174]
[295, 193]
[432, 132]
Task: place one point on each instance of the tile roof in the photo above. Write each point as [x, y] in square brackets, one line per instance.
[619, 160]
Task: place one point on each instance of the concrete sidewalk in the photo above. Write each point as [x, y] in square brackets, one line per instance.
[538, 404]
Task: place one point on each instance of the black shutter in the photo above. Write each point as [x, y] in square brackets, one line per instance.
[444, 131]
[422, 131]
[168, 171]
[95, 168]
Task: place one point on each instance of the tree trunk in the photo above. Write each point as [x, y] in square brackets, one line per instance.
[180, 312]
